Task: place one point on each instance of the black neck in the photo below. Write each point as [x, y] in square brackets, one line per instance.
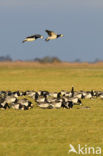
[58, 35]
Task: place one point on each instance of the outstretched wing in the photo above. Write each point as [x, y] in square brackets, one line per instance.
[37, 36]
[50, 33]
[32, 36]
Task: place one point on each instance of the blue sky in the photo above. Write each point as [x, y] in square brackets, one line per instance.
[81, 22]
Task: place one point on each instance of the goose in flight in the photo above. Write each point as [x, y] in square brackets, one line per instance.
[52, 35]
[32, 38]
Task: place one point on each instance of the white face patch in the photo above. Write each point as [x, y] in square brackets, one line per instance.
[62, 35]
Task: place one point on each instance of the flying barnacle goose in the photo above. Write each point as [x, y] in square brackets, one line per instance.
[32, 38]
[52, 35]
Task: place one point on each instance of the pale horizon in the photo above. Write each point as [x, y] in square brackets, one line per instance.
[80, 22]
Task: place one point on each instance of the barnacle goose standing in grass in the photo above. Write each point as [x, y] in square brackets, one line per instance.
[52, 35]
[32, 38]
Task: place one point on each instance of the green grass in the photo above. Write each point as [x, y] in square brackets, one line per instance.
[49, 132]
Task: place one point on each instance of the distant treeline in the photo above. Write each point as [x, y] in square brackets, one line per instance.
[5, 58]
[46, 59]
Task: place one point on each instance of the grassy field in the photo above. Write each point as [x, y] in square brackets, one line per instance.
[49, 132]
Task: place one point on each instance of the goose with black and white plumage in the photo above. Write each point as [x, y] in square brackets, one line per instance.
[87, 95]
[21, 104]
[68, 104]
[25, 102]
[31, 94]
[53, 97]
[63, 92]
[40, 99]
[10, 99]
[32, 38]
[56, 104]
[101, 95]
[45, 105]
[4, 105]
[16, 106]
[55, 94]
[79, 95]
[16, 94]
[43, 93]
[75, 100]
[52, 35]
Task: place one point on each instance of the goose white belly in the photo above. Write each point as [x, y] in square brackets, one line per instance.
[52, 37]
[88, 96]
[30, 39]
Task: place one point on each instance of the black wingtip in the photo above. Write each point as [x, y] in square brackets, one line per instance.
[46, 40]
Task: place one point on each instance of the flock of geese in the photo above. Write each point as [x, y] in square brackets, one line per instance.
[46, 100]
[51, 36]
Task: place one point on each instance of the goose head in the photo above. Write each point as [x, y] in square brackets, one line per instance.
[61, 35]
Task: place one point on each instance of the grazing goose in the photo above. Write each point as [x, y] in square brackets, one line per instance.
[43, 93]
[52, 35]
[56, 104]
[16, 94]
[63, 92]
[68, 94]
[15, 106]
[79, 95]
[40, 99]
[67, 105]
[94, 93]
[88, 95]
[31, 93]
[10, 99]
[76, 100]
[4, 105]
[32, 38]
[101, 96]
[51, 99]
[25, 102]
[55, 94]
[45, 105]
